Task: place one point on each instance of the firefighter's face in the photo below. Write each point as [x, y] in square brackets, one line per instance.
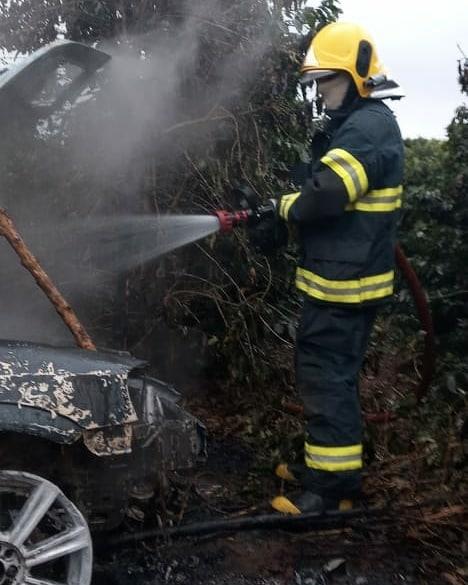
[333, 89]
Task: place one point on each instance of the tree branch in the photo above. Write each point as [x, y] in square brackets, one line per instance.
[69, 317]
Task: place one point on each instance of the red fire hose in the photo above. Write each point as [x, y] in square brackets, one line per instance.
[424, 314]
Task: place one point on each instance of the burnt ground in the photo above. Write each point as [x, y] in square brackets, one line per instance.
[259, 559]
[421, 538]
[392, 550]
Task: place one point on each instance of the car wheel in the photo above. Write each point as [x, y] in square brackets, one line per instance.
[44, 538]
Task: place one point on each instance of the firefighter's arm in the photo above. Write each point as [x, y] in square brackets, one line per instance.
[323, 196]
[344, 175]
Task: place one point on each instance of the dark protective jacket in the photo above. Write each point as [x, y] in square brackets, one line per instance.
[347, 211]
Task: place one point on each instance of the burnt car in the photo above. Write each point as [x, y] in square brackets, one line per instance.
[83, 434]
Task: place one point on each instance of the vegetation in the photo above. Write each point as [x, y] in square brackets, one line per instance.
[433, 233]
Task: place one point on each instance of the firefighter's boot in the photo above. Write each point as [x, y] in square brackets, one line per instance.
[321, 491]
[291, 472]
[309, 503]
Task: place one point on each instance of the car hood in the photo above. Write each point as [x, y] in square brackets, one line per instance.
[88, 388]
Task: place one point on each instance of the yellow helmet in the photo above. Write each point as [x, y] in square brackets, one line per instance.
[343, 46]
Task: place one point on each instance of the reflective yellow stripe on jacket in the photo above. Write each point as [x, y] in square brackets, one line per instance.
[286, 203]
[378, 200]
[358, 290]
[349, 169]
[333, 458]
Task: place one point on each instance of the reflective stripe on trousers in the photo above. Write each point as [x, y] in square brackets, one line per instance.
[341, 458]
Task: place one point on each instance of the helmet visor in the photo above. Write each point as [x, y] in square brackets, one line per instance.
[311, 76]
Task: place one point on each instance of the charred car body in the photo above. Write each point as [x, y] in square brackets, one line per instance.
[113, 424]
[82, 433]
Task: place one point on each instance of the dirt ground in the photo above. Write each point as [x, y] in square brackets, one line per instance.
[259, 559]
[229, 485]
[419, 541]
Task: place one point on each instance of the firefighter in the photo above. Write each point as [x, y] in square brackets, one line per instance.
[345, 216]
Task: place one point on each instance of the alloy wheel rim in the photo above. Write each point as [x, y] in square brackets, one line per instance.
[42, 533]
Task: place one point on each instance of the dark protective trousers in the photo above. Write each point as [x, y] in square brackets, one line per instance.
[330, 348]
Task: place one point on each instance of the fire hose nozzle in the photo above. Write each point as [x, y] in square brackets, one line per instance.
[228, 220]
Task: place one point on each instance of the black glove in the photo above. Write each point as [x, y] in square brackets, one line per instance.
[267, 231]
[265, 228]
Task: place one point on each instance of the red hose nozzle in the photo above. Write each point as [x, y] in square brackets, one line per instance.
[228, 220]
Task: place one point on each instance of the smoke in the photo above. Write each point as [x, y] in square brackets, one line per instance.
[164, 99]
[168, 91]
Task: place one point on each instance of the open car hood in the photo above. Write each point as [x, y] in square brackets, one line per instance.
[45, 80]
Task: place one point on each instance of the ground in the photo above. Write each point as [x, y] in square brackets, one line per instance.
[257, 559]
[419, 537]
[388, 551]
